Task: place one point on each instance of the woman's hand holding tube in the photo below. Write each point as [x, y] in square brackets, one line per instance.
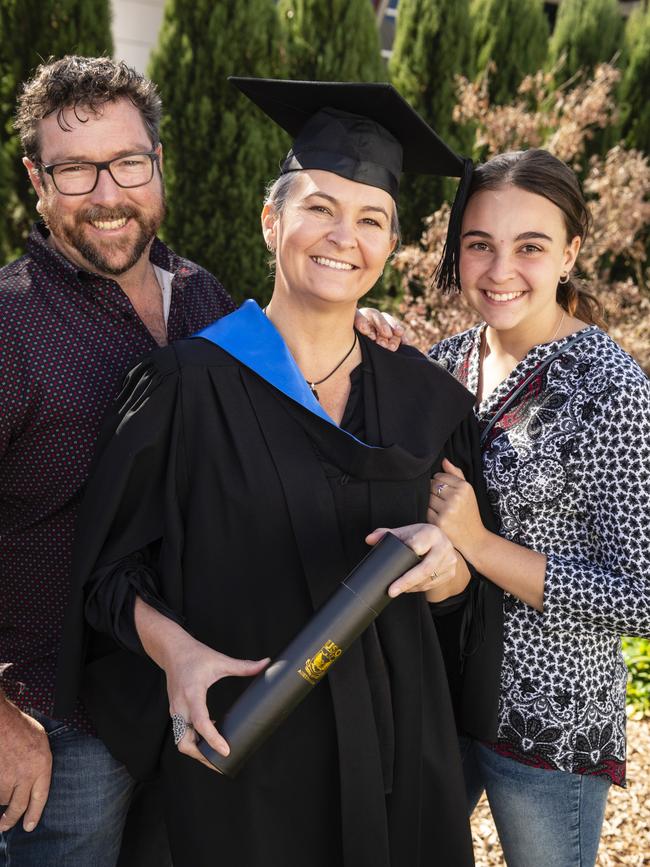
[191, 668]
[437, 574]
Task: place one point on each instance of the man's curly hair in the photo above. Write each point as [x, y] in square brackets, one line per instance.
[88, 83]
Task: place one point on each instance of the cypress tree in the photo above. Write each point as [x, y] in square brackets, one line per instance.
[587, 32]
[220, 149]
[331, 40]
[513, 34]
[31, 30]
[432, 45]
[635, 107]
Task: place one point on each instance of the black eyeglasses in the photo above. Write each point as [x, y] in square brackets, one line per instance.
[78, 179]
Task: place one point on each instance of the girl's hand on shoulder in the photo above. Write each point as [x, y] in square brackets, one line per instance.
[383, 328]
[454, 510]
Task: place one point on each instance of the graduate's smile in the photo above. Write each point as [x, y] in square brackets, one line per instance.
[334, 264]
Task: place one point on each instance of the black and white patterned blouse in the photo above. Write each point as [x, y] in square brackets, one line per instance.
[568, 472]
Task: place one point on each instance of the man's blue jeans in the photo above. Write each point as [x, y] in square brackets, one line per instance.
[82, 822]
[544, 818]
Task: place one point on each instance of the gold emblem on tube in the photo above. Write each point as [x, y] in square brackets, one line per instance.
[316, 666]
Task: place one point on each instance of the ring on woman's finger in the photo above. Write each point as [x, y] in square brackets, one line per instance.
[179, 727]
[440, 488]
[434, 575]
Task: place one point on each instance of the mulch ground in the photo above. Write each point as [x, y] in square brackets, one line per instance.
[626, 832]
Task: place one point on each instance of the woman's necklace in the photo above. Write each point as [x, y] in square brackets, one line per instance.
[483, 347]
[482, 351]
[312, 385]
[557, 330]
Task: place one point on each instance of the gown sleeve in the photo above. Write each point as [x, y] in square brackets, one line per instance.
[111, 592]
[464, 451]
[608, 586]
[134, 490]
[470, 625]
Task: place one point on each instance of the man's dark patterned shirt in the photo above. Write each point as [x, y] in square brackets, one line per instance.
[67, 337]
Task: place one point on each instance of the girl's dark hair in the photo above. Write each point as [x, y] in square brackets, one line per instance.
[537, 171]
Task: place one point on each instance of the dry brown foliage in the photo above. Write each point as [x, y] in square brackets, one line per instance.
[613, 261]
[561, 120]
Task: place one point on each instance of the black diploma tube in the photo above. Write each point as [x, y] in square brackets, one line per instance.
[277, 690]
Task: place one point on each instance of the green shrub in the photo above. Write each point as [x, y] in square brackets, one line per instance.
[432, 45]
[511, 36]
[587, 32]
[331, 41]
[637, 656]
[220, 149]
[31, 31]
[634, 96]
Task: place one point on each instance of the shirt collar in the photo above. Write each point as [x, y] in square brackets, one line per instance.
[40, 250]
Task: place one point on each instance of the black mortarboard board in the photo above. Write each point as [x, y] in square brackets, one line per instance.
[365, 132]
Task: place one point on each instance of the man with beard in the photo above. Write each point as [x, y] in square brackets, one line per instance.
[94, 291]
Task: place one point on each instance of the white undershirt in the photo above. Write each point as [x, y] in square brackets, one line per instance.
[164, 279]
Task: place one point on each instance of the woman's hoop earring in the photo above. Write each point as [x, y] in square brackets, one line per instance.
[564, 278]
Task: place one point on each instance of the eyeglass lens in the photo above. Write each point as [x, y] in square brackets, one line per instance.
[129, 171]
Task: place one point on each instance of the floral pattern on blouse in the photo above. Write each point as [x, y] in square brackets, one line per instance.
[567, 468]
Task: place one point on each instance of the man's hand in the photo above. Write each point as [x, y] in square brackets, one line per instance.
[25, 767]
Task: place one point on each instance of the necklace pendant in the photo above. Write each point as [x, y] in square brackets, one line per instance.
[312, 385]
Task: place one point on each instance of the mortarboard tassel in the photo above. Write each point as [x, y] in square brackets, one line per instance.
[447, 275]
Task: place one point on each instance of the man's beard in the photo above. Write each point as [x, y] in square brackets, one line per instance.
[101, 255]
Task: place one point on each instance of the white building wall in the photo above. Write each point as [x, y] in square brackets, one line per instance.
[135, 30]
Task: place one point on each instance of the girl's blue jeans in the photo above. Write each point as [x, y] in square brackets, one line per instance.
[544, 818]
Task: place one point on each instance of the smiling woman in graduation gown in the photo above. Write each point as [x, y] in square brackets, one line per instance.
[226, 498]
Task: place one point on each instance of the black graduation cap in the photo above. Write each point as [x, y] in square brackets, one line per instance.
[366, 132]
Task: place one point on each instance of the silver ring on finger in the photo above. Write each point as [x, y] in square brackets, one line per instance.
[440, 488]
[179, 727]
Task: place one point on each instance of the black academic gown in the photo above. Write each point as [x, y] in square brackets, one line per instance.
[214, 498]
